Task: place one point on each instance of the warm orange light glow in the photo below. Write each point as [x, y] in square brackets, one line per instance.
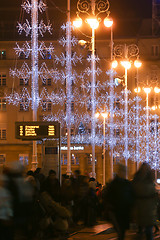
[82, 42]
[137, 90]
[108, 22]
[104, 114]
[137, 63]
[157, 90]
[93, 22]
[114, 64]
[154, 108]
[147, 90]
[126, 64]
[77, 22]
[97, 115]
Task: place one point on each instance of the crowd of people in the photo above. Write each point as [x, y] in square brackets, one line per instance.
[35, 206]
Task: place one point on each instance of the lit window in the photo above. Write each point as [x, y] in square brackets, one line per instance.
[47, 55]
[2, 134]
[47, 82]
[116, 159]
[64, 159]
[117, 104]
[49, 106]
[24, 159]
[72, 106]
[23, 81]
[74, 159]
[2, 79]
[117, 132]
[90, 159]
[24, 105]
[46, 106]
[2, 104]
[72, 132]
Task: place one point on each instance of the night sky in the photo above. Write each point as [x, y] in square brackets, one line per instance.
[123, 12]
[118, 8]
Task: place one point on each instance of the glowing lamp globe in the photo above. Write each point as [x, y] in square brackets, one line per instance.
[157, 90]
[97, 115]
[137, 90]
[137, 63]
[126, 64]
[93, 22]
[154, 108]
[82, 42]
[104, 115]
[108, 22]
[147, 90]
[114, 64]
[77, 22]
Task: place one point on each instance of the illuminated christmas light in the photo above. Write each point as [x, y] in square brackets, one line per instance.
[106, 94]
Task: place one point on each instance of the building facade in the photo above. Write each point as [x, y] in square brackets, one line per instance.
[12, 149]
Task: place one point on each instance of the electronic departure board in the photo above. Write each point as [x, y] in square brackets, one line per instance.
[37, 130]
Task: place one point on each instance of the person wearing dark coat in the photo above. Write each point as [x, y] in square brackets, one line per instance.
[119, 198]
[52, 186]
[146, 200]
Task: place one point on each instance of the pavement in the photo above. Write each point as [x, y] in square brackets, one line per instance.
[105, 231]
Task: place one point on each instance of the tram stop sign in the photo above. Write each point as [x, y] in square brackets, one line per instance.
[37, 130]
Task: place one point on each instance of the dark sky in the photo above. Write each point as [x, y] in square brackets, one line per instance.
[118, 8]
[123, 12]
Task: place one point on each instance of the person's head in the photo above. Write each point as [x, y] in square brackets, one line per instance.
[37, 171]
[52, 173]
[146, 171]
[92, 179]
[99, 185]
[77, 173]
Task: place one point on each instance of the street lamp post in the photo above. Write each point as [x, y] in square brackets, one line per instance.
[109, 24]
[137, 90]
[104, 115]
[68, 88]
[126, 118]
[126, 52]
[137, 155]
[96, 7]
[147, 91]
[93, 101]
[34, 59]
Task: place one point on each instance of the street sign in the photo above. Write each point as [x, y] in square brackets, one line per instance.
[37, 130]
